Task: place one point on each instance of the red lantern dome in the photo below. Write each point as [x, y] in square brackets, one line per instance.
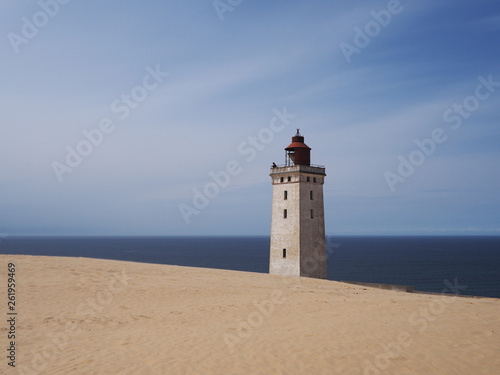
[298, 152]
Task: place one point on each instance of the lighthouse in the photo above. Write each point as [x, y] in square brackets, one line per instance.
[298, 218]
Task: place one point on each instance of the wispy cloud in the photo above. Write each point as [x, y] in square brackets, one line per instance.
[225, 79]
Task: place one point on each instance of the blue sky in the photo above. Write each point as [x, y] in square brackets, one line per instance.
[199, 79]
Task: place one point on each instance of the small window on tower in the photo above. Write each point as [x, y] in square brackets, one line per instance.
[308, 179]
[285, 213]
[281, 179]
[311, 195]
[286, 195]
[284, 253]
[289, 179]
[312, 214]
[314, 179]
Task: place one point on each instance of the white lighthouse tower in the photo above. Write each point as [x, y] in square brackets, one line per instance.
[298, 217]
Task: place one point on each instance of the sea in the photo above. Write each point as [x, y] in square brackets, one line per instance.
[451, 264]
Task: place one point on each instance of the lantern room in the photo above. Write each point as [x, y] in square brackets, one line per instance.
[297, 153]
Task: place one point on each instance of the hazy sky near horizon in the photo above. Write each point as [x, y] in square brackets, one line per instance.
[399, 100]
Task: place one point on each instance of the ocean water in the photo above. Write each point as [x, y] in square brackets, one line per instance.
[430, 264]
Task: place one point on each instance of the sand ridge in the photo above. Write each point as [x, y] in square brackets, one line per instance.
[90, 316]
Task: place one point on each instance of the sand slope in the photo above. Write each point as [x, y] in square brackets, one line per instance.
[87, 316]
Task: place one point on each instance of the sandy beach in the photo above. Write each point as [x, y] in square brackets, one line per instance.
[89, 316]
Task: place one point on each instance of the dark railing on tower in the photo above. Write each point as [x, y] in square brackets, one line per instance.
[291, 165]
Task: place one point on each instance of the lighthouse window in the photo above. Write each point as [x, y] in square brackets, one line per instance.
[312, 214]
[285, 213]
[308, 179]
[286, 195]
[281, 179]
[289, 179]
[284, 253]
[311, 195]
[314, 179]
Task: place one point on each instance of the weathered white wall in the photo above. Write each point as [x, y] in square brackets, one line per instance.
[285, 233]
[302, 237]
[312, 232]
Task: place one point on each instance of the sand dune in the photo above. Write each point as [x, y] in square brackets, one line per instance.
[88, 316]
